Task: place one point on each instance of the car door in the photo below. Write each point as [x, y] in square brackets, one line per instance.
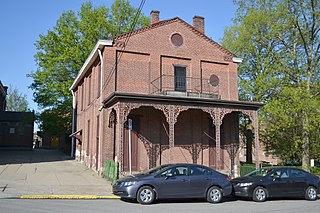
[173, 183]
[200, 180]
[298, 180]
[279, 182]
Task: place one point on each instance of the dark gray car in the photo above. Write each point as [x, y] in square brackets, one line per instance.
[174, 181]
[277, 182]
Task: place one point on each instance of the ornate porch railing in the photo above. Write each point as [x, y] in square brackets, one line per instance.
[176, 86]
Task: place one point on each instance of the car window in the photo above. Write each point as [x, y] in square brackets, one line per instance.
[176, 171]
[198, 170]
[284, 173]
[261, 172]
[296, 173]
[156, 169]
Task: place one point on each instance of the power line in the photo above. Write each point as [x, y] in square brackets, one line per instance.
[128, 35]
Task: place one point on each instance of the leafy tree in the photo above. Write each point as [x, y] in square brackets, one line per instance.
[63, 50]
[16, 101]
[122, 18]
[280, 42]
[54, 122]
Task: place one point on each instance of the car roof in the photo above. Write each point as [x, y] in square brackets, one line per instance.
[281, 167]
[184, 164]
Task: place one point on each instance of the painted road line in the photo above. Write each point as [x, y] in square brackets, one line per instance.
[88, 197]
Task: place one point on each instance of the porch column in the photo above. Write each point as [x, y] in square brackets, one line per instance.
[172, 119]
[217, 122]
[171, 112]
[119, 145]
[256, 138]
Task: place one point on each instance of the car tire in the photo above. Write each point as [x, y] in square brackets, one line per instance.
[260, 194]
[311, 193]
[214, 195]
[145, 195]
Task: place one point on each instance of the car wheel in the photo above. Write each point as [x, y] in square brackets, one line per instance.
[214, 195]
[145, 195]
[259, 194]
[311, 193]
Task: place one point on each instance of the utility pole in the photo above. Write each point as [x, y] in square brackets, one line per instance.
[130, 148]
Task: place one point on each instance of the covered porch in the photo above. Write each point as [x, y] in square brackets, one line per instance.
[172, 129]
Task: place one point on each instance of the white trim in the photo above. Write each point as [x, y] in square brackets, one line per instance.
[90, 60]
[237, 60]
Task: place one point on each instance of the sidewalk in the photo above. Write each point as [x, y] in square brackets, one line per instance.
[48, 174]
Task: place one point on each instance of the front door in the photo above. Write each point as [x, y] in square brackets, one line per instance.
[134, 145]
[180, 82]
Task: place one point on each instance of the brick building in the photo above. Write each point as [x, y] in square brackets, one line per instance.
[16, 128]
[3, 95]
[177, 86]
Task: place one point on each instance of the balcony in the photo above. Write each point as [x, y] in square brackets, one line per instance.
[189, 87]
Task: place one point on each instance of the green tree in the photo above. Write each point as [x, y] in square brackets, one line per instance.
[16, 101]
[280, 43]
[62, 51]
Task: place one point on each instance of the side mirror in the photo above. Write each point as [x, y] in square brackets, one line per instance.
[276, 177]
[169, 175]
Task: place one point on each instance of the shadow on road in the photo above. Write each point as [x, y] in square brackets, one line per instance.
[181, 200]
[31, 156]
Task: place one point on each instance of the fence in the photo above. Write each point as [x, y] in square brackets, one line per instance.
[245, 169]
[111, 170]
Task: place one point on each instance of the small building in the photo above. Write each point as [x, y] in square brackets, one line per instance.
[3, 95]
[16, 128]
[168, 89]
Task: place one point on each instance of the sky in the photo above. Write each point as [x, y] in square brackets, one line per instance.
[22, 21]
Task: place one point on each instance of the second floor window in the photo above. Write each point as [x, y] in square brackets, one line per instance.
[180, 82]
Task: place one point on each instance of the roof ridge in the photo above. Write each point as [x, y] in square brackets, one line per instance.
[149, 27]
[168, 21]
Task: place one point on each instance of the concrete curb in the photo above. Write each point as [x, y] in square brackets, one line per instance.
[84, 197]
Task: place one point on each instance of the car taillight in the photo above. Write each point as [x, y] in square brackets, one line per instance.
[228, 177]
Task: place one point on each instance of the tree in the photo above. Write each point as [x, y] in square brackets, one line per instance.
[16, 101]
[63, 50]
[280, 43]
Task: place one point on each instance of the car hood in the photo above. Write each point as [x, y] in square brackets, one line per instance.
[245, 179]
[134, 177]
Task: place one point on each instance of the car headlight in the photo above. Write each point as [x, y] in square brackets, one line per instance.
[244, 184]
[128, 183]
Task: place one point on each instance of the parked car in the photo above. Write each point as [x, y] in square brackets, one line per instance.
[277, 182]
[174, 181]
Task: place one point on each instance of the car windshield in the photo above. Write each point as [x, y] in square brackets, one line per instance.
[259, 172]
[155, 169]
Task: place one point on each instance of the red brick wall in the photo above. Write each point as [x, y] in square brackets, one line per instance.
[151, 52]
[148, 55]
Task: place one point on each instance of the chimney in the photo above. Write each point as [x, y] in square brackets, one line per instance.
[198, 23]
[154, 16]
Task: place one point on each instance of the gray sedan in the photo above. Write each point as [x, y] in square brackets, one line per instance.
[174, 181]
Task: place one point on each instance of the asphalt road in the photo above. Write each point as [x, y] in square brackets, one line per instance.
[109, 206]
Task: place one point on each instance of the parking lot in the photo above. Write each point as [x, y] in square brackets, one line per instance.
[42, 172]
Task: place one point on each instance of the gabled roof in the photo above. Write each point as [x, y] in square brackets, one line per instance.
[169, 21]
[101, 43]
[3, 91]
[91, 58]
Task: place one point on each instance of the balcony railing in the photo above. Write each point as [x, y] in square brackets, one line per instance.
[175, 86]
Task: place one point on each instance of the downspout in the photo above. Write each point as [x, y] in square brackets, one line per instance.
[101, 70]
[73, 140]
[100, 163]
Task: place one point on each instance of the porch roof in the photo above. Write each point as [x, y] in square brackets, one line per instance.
[176, 100]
